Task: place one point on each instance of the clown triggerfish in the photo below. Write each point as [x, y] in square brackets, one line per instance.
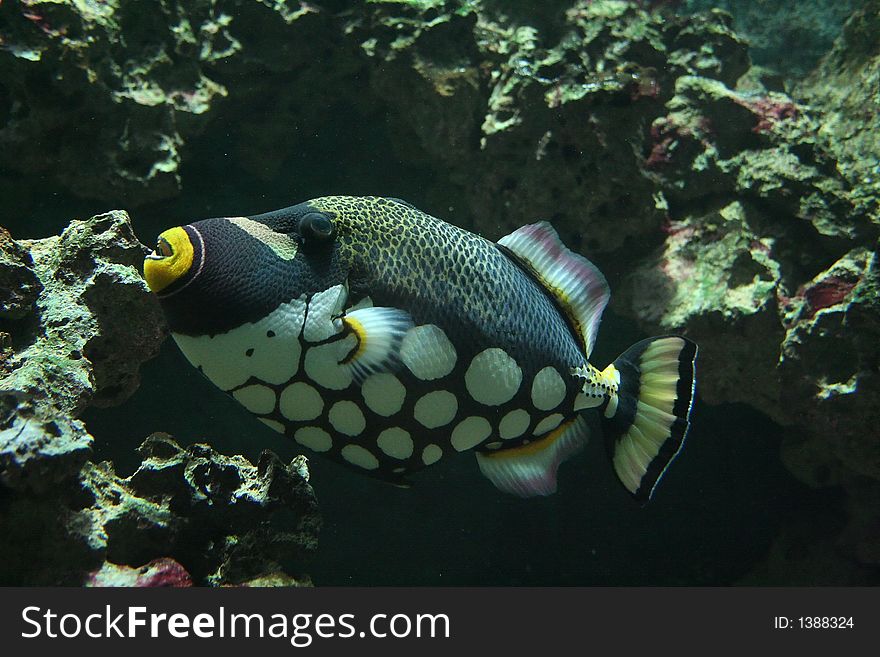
[388, 339]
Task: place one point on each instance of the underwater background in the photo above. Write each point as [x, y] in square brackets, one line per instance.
[718, 161]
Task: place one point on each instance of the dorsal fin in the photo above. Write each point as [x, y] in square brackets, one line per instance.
[578, 286]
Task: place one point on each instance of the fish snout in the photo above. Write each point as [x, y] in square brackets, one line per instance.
[171, 259]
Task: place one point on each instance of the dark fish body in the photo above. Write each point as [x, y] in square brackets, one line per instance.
[388, 339]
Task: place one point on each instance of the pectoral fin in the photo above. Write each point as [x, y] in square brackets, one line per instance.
[379, 332]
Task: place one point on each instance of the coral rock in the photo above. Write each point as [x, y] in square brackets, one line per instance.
[163, 572]
[829, 361]
[225, 519]
[81, 345]
[19, 285]
[38, 451]
[81, 322]
[845, 86]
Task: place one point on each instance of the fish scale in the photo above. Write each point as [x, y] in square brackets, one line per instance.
[400, 339]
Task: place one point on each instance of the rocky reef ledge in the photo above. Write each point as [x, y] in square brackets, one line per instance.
[76, 322]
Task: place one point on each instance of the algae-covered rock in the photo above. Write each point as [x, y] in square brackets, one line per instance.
[756, 210]
[128, 83]
[788, 35]
[844, 88]
[19, 285]
[162, 572]
[39, 449]
[225, 520]
[93, 323]
[715, 276]
[783, 300]
[829, 358]
[78, 326]
[536, 123]
[185, 516]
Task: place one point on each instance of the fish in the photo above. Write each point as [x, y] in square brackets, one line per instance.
[388, 340]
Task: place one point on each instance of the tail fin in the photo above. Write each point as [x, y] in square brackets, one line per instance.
[646, 430]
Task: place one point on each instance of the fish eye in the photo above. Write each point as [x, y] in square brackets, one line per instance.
[315, 226]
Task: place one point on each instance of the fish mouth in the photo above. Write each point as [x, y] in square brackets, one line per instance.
[163, 250]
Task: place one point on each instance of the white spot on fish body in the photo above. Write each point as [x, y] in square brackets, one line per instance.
[431, 454]
[383, 393]
[395, 442]
[548, 389]
[346, 417]
[587, 400]
[323, 308]
[611, 409]
[547, 424]
[257, 399]
[470, 432]
[314, 438]
[427, 352]
[300, 401]
[359, 456]
[268, 349]
[272, 424]
[493, 377]
[514, 424]
[322, 364]
[436, 409]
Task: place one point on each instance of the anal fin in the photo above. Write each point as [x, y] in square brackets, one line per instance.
[530, 470]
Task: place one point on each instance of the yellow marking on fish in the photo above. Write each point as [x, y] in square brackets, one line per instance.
[161, 270]
[360, 333]
[533, 447]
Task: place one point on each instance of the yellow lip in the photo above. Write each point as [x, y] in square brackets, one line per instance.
[162, 270]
